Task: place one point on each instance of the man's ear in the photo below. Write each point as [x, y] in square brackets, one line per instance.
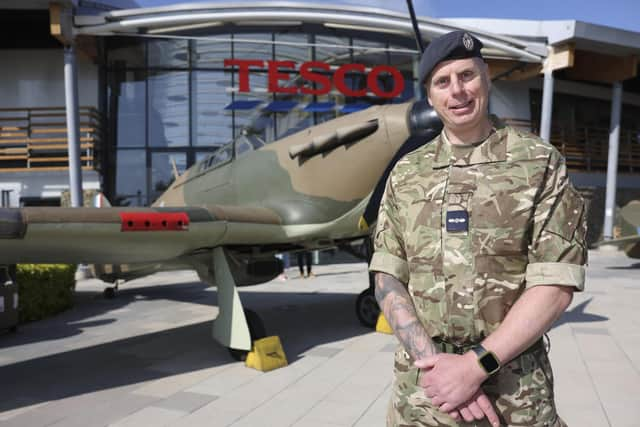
[426, 91]
[487, 75]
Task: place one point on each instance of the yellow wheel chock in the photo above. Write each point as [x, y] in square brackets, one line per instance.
[383, 326]
[267, 354]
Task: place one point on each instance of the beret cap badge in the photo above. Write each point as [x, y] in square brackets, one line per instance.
[467, 41]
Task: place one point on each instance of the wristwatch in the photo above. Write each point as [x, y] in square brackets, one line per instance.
[487, 360]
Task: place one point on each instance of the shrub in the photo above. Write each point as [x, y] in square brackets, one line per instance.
[44, 289]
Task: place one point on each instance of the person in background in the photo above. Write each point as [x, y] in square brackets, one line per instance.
[284, 257]
[304, 259]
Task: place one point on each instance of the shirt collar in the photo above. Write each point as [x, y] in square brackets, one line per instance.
[492, 149]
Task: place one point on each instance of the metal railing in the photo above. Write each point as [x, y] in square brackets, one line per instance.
[36, 139]
[587, 148]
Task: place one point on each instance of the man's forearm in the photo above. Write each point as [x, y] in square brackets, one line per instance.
[398, 309]
[530, 317]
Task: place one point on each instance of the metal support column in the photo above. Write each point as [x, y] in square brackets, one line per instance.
[547, 105]
[73, 125]
[612, 163]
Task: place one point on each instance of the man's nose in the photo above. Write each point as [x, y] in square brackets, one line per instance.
[456, 86]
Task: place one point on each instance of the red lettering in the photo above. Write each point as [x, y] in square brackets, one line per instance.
[324, 82]
[314, 72]
[339, 76]
[275, 76]
[243, 70]
[398, 81]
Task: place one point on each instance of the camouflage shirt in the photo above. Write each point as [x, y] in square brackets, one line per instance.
[525, 226]
[467, 230]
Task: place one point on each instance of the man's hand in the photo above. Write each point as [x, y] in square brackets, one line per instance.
[450, 380]
[477, 408]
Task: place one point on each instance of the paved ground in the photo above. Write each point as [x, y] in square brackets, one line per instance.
[146, 358]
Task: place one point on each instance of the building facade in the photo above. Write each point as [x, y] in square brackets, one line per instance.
[167, 87]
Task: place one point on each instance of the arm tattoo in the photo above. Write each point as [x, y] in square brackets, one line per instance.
[398, 309]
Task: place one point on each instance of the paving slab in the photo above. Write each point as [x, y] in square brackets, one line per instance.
[147, 357]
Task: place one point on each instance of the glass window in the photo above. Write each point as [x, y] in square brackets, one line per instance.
[131, 105]
[169, 109]
[211, 123]
[131, 178]
[295, 120]
[253, 46]
[125, 52]
[211, 53]
[333, 50]
[162, 171]
[369, 53]
[222, 156]
[168, 53]
[289, 47]
[243, 118]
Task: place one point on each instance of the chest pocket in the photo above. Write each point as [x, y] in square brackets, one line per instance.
[458, 209]
[424, 226]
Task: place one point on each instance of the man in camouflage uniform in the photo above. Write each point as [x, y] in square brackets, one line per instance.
[478, 250]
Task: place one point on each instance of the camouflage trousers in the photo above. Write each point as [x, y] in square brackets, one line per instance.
[521, 393]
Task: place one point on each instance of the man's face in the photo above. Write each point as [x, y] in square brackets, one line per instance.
[458, 90]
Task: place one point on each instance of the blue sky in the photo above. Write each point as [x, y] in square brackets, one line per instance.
[623, 14]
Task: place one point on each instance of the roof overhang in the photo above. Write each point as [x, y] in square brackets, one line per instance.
[584, 35]
[149, 21]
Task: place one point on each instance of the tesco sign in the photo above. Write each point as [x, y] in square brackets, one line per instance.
[319, 73]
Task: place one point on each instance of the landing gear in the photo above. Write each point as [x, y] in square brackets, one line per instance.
[367, 308]
[110, 292]
[256, 330]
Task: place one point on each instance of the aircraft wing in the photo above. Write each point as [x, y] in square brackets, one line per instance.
[620, 242]
[123, 235]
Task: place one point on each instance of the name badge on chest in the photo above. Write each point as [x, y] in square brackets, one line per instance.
[457, 221]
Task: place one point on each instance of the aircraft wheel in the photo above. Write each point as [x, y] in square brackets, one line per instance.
[367, 308]
[256, 331]
[109, 293]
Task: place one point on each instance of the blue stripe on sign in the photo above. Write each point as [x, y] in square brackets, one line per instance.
[352, 108]
[243, 105]
[280, 106]
[319, 107]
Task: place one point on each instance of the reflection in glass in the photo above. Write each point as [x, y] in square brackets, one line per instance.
[253, 46]
[211, 124]
[131, 178]
[211, 53]
[294, 120]
[162, 171]
[258, 92]
[125, 52]
[168, 53]
[333, 50]
[169, 109]
[131, 110]
[292, 52]
[220, 157]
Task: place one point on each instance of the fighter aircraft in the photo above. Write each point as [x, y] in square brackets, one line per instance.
[628, 231]
[229, 214]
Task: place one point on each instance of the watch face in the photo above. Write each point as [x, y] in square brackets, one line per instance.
[489, 363]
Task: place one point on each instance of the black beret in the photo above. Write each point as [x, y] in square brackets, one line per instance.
[454, 45]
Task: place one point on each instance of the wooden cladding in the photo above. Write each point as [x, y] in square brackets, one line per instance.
[36, 138]
[586, 149]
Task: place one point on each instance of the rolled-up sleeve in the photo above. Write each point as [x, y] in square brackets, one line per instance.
[558, 250]
[389, 254]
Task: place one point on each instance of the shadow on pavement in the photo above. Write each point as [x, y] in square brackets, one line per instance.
[577, 315]
[625, 267]
[302, 320]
